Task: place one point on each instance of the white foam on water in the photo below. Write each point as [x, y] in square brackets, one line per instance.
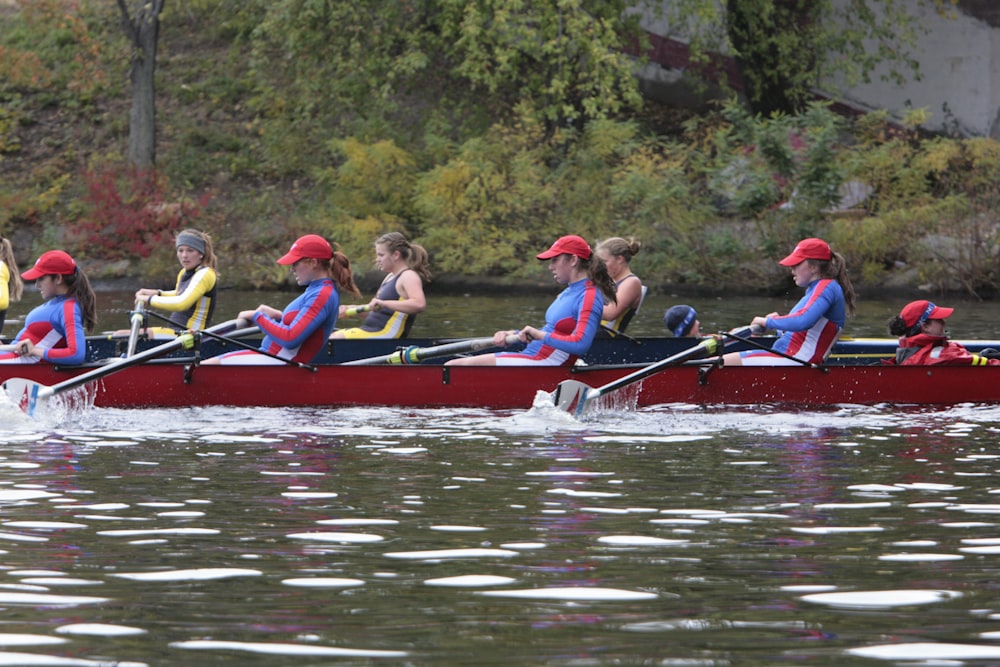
[458, 529]
[196, 574]
[40, 599]
[17, 495]
[344, 538]
[920, 557]
[99, 630]
[524, 545]
[61, 581]
[285, 649]
[881, 599]
[573, 593]
[584, 494]
[323, 582]
[35, 660]
[358, 522]
[44, 525]
[835, 530]
[470, 580]
[922, 652]
[14, 639]
[640, 541]
[438, 554]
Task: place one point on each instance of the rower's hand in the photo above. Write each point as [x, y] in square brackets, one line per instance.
[500, 337]
[25, 348]
[528, 334]
[758, 325]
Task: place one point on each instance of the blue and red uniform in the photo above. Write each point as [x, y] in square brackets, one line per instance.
[305, 324]
[571, 323]
[809, 331]
[56, 327]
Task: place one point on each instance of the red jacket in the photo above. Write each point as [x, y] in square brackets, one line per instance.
[924, 350]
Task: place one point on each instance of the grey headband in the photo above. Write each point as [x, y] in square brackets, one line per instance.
[191, 241]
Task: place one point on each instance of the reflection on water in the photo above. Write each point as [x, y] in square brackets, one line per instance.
[674, 535]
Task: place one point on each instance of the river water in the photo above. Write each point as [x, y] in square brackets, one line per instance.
[675, 535]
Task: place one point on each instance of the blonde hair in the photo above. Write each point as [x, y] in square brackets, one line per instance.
[14, 285]
[208, 257]
[616, 246]
[413, 254]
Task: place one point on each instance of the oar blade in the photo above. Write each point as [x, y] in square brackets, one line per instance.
[25, 394]
[571, 396]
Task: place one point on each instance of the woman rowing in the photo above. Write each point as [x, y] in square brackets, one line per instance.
[400, 296]
[617, 254]
[10, 280]
[571, 322]
[809, 332]
[299, 332]
[192, 301]
[56, 330]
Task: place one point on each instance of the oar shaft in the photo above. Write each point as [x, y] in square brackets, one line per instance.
[707, 346]
[184, 340]
[245, 346]
[414, 355]
[138, 317]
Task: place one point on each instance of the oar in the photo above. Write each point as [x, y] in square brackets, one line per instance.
[575, 397]
[27, 393]
[616, 333]
[238, 343]
[356, 310]
[414, 354]
[742, 337]
[138, 317]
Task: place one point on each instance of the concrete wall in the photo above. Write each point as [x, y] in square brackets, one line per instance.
[959, 61]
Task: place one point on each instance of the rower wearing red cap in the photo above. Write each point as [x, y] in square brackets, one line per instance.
[56, 330]
[809, 332]
[923, 340]
[298, 333]
[573, 319]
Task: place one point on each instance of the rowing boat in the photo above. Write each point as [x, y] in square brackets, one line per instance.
[174, 382]
[604, 351]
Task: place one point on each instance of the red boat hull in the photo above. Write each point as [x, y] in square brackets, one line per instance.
[176, 385]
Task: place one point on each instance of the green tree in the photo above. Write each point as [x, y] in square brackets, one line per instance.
[412, 70]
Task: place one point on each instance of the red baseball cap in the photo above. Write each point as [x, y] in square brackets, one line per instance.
[53, 262]
[918, 312]
[808, 249]
[567, 245]
[311, 246]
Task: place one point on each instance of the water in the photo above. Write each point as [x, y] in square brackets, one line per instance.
[673, 535]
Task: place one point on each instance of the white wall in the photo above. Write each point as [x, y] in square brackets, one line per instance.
[960, 86]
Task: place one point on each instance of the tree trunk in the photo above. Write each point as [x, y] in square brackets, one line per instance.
[142, 29]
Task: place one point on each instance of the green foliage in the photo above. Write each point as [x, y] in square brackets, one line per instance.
[483, 129]
[760, 163]
[49, 46]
